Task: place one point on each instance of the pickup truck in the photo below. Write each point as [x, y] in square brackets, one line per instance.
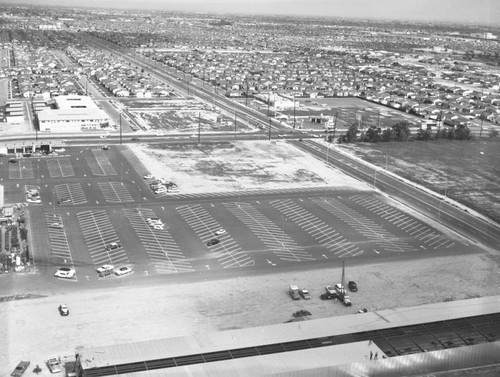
[54, 365]
[294, 292]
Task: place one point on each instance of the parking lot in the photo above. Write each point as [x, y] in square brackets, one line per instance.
[95, 206]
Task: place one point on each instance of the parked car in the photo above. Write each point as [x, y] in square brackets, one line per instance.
[113, 246]
[213, 241]
[63, 310]
[20, 369]
[65, 272]
[330, 290]
[148, 176]
[54, 365]
[353, 287]
[105, 268]
[13, 161]
[305, 294]
[64, 200]
[120, 271]
[56, 225]
[220, 232]
[104, 147]
[328, 296]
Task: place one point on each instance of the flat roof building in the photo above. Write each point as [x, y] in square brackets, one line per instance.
[73, 114]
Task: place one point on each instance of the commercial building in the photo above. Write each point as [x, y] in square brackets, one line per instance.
[73, 114]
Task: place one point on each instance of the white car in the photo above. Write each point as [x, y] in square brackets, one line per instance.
[158, 227]
[33, 200]
[148, 176]
[65, 272]
[105, 268]
[113, 246]
[220, 232]
[56, 225]
[120, 271]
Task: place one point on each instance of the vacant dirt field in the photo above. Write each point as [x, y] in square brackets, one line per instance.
[466, 171]
[238, 165]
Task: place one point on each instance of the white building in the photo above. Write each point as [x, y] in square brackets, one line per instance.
[73, 114]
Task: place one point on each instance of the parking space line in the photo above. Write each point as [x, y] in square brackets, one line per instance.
[70, 193]
[318, 229]
[269, 233]
[363, 225]
[115, 192]
[158, 243]
[99, 164]
[99, 234]
[420, 231]
[227, 251]
[59, 245]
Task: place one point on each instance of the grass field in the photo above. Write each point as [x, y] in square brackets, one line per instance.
[466, 171]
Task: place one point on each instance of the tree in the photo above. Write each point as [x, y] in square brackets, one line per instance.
[373, 135]
[351, 134]
[493, 133]
[462, 132]
[424, 134]
[401, 131]
[388, 135]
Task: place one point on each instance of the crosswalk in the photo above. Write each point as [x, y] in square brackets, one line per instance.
[99, 234]
[115, 192]
[275, 239]
[227, 251]
[417, 229]
[373, 232]
[328, 237]
[161, 248]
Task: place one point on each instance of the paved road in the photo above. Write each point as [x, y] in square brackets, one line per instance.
[435, 207]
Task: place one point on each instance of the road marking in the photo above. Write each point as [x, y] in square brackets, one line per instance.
[207, 266]
[378, 252]
[324, 256]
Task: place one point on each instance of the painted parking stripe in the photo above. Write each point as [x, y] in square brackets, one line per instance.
[420, 231]
[161, 248]
[99, 163]
[277, 241]
[318, 229]
[363, 225]
[60, 167]
[227, 252]
[115, 192]
[98, 233]
[70, 193]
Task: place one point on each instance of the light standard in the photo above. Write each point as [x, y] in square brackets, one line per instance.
[293, 110]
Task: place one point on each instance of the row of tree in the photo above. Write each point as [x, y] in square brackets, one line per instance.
[401, 132]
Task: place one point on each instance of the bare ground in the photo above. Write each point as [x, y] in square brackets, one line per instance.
[33, 329]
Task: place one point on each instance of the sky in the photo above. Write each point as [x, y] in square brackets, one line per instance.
[459, 11]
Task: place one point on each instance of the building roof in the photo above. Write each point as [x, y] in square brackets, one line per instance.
[282, 333]
[72, 102]
[71, 114]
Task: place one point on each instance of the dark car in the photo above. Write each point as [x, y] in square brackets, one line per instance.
[20, 369]
[213, 241]
[13, 161]
[353, 287]
[328, 296]
[134, 139]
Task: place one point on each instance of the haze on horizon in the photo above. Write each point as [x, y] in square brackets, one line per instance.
[455, 11]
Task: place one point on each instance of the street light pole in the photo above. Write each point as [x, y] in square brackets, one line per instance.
[294, 111]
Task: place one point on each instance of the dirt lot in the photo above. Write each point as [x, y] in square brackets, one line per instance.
[33, 329]
[239, 166]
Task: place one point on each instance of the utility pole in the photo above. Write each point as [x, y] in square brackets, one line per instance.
[294, 111]
[335, 126]
[199, 128]
[269, 129]
[268, 102]
[120, 128]
[234, 123]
